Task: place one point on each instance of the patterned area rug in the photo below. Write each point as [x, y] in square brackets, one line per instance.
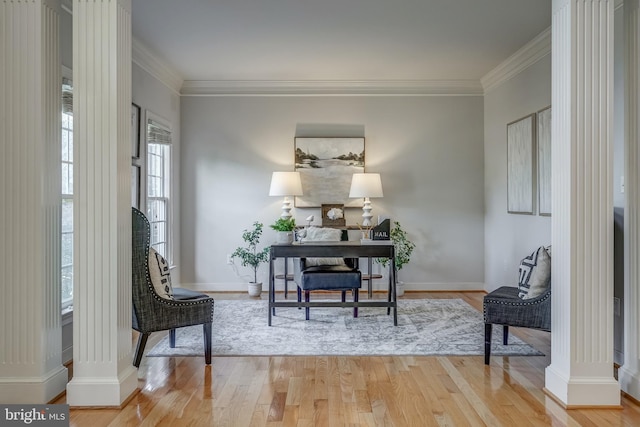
[426, 327]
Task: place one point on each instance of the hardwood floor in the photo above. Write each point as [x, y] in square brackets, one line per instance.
[351, 391]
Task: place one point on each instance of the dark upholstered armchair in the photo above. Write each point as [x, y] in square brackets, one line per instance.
[151, 312]
[504, 307]
[328, 274]
[344, 277]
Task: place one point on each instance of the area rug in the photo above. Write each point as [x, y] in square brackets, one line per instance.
[445, 327]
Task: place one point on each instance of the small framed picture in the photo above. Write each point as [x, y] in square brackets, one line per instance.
[135, 186]
[135, 131]
[333, 214]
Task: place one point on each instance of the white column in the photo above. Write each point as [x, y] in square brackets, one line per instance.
[629, 373]
[31, 368]
[103, 374]
[581, 370]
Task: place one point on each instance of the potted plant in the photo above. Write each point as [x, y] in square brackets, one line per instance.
[403, 250]
[250, 256]
[285, 228]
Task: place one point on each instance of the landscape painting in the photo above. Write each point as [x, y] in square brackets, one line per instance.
[326, 166]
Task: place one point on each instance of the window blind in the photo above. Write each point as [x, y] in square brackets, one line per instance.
[67, 96]
[157, 133]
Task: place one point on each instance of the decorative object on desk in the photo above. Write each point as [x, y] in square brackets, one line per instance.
[285, 184]
[250, 256]
[403, 250]
[520, 161]
[309, 220]
[326, 166]
[426, 327]
[333, 215]
[382, 230]
[366, 185]
[365, 232]
[285, 228]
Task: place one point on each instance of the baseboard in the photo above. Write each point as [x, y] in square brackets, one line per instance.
[379, 286]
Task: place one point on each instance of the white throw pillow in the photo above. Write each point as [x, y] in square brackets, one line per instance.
[322, 234]
[160, 277]
[534, 274]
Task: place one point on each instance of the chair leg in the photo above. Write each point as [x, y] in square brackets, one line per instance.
[487, 342]
[343, 295]
[299, 296]
[172, 338]
[306, 309]
[355, 299]
[206, 327]
[505, 334]
[142, 341]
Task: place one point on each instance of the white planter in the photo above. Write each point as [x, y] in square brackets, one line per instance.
[254, 289]
[399, 288]
[284, 237]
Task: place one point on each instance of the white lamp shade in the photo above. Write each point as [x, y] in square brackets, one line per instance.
[366, 185]
[285, 184]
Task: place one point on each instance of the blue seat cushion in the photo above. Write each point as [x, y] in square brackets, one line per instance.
[184, 294]
[330, 277]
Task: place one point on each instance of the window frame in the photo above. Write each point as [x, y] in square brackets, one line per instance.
[167, 171]
[67, 75]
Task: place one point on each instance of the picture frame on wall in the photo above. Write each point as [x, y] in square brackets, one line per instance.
[521, 165]
[544, 161]
[135, 186]
[135, 131]
[326, 166]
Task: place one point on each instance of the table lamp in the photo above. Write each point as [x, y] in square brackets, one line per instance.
[366, 185]
[285, 184]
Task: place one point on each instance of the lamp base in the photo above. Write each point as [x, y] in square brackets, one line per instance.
[286, 209]
[366, 215]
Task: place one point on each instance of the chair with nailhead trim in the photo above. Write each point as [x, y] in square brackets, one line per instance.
[152, 313]
[504, 307]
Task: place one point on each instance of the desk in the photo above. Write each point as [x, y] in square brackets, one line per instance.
[348, 249]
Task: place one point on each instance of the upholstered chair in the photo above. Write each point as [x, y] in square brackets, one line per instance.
[526, 306]
[327, 274]
[167, 309]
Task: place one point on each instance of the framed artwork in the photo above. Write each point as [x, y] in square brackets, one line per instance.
[333, 214]
[135, 131]
[520, 165]
[326, 166]
[135, 186]
[544, 161]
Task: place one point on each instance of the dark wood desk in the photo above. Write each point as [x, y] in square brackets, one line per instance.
[348, 249]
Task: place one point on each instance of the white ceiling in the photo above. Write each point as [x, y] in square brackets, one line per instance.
[336, 40]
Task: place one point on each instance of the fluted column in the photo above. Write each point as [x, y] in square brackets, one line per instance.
[31, 368]
[581, 370]
[103, 374]
[629, 373]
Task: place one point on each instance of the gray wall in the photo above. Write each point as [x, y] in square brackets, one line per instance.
[429, 151]
[510, 237]
[155, 97]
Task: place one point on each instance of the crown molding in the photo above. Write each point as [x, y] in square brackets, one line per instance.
[525, 57]
[159, 69]
[331, 88]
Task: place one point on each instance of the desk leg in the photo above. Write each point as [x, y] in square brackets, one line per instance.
[370, 281]
[286, 273]
[272, 309]
[393, 293]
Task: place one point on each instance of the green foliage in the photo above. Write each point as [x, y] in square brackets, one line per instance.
[404, 247]
[250, 256]
[284, 224]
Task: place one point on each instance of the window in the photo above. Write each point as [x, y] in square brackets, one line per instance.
[66, 268]
[158, 186]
